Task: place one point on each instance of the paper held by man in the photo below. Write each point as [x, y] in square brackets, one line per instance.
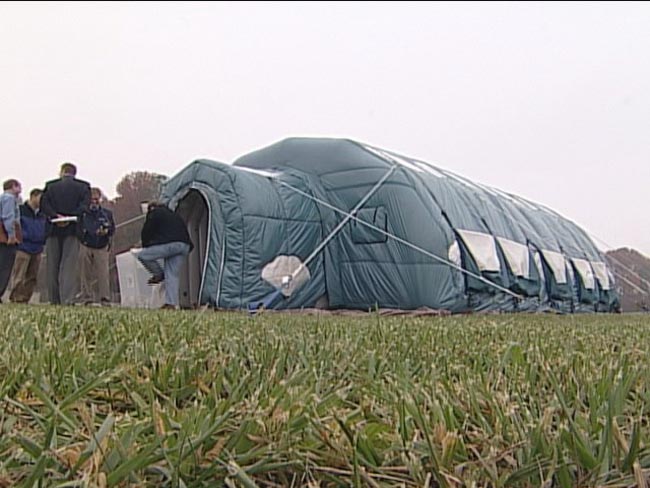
[61, 220]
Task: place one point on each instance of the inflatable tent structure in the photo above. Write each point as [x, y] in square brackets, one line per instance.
[334, 223]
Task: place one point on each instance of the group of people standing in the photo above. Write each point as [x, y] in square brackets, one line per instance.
[66, 220]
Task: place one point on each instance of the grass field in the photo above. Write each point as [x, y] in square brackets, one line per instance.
[105, 397]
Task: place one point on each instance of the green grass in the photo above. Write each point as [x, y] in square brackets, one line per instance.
[116, 397]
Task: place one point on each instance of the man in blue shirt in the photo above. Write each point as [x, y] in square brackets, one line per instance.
[96, 227]
[28, 253]
[10, 233]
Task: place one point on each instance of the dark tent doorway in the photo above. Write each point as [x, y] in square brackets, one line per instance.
[193, 209]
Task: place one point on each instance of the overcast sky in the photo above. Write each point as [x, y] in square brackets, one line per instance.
[550, 101]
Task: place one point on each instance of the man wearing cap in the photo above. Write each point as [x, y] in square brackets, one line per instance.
[64, 200]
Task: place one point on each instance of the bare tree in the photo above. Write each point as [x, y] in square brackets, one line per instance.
[133, 189]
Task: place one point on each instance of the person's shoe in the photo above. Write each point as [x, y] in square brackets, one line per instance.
[154, 280]
[168, 306]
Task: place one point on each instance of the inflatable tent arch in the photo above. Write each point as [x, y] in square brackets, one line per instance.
[193, 208]
[366, 227]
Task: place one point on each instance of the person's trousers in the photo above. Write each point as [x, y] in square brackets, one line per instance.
[95, 285]
[7, 258]
[62, 269]
[24, 276]
[173, 254]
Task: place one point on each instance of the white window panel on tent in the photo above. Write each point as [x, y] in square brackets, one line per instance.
[517, 256]
[483, 248]
[602, 274]
[611, 278]
[454, 254]
[538, 264]
[585, 272]
[557, 263]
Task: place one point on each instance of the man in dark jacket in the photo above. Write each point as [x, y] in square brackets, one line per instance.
[96, 228]
[28, 253]
[164, 237]
[66, 197]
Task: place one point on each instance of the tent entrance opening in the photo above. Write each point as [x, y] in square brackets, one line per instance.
[193, 209]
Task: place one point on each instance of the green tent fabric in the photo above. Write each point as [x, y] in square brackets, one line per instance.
[434, 239]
